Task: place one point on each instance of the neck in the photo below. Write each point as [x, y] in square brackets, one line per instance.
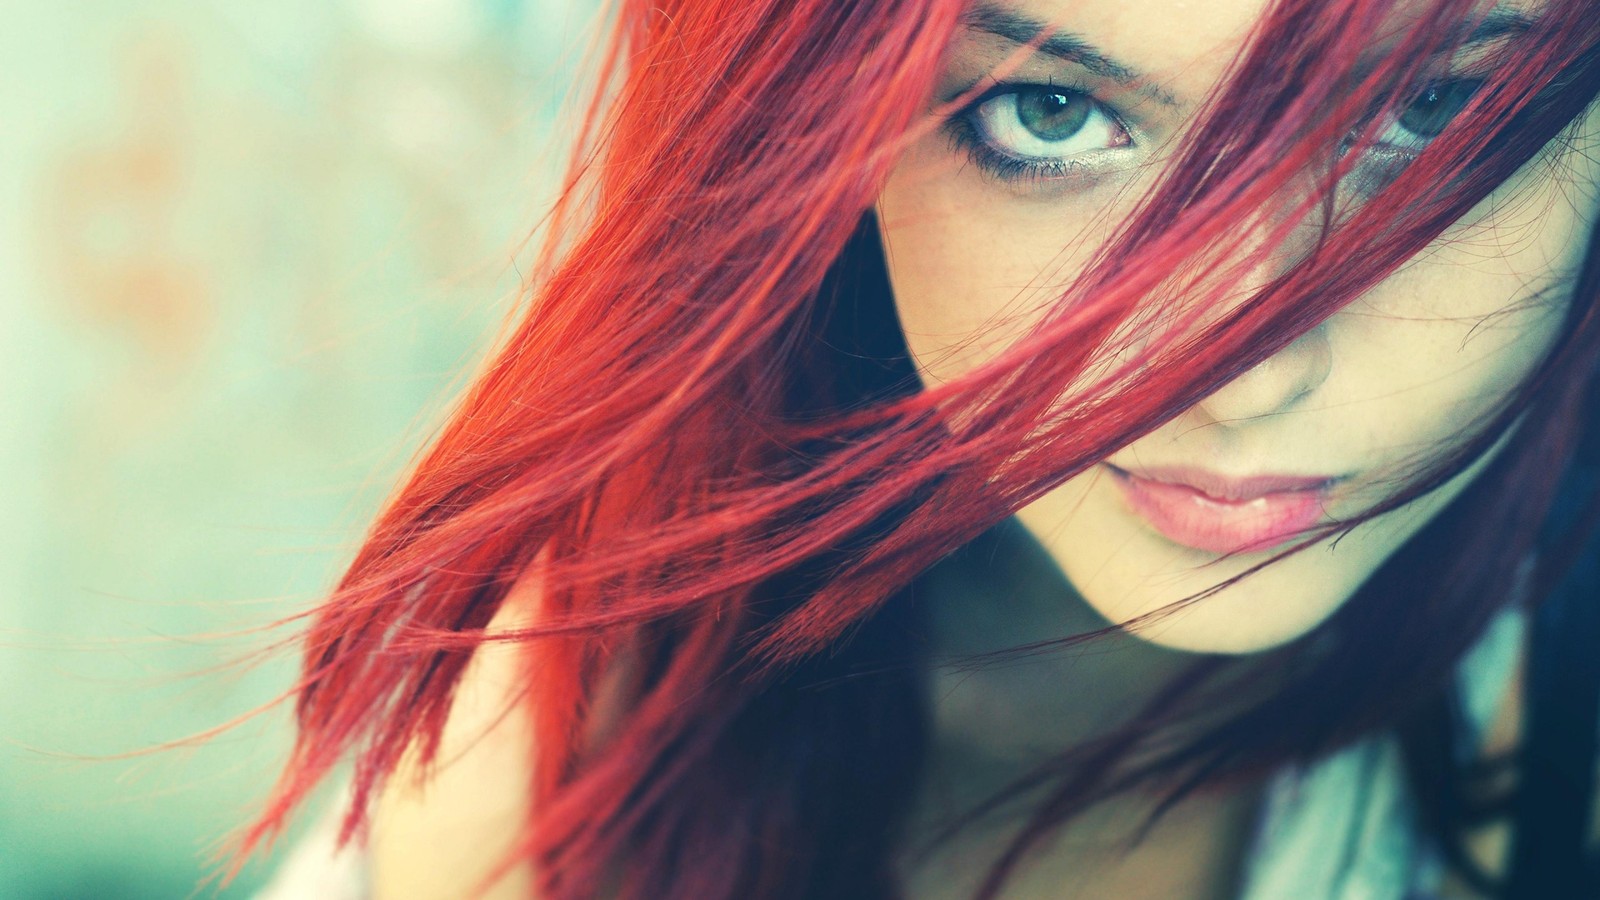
[993, 722]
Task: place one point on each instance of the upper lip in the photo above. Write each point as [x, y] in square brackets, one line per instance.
[1229, 488]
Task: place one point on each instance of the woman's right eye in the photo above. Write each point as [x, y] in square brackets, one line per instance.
[1038, 130]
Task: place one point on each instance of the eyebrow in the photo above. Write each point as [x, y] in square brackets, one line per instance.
[1017, 28]
[1499, 22]
[1021, 29]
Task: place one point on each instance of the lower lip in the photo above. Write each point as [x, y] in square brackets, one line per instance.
[1194, 519]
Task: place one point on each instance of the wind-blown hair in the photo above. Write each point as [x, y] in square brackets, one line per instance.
[704, 450]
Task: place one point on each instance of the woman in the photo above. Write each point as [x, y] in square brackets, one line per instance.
[1026, 448]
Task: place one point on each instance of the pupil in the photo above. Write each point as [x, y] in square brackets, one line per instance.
[1430, 113]
[1053, 116]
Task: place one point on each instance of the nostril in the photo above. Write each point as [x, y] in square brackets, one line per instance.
[1275, 385]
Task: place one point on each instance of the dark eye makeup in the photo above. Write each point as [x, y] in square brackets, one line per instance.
[1019, 131]
[1408, 131]
[1026, 131]
[1436, 106]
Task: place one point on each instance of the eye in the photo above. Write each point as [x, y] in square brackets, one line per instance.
[1429, 114]
[1405, 133]
[1039, 130]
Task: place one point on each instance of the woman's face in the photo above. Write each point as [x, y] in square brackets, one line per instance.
[984, 216]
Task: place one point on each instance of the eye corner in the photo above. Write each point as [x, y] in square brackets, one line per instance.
[1427, 112]
[1042, 132]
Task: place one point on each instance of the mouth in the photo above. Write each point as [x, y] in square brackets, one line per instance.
[1204, 510]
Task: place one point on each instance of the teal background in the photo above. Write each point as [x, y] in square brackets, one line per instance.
[247, 253]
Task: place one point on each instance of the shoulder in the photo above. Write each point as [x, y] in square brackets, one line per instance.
[1490, 843]
[436, 833]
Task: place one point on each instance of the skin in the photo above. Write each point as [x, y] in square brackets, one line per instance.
[1400, 370]
[972, 260]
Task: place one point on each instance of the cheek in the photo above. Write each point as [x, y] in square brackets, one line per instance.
[972, 266]
[1415, 362]
[1442, 342]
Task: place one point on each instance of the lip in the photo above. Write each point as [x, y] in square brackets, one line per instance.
[1208, 511]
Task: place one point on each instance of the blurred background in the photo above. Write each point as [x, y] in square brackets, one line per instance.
[247, 252]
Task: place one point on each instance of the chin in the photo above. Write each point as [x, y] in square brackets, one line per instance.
[1244, 618]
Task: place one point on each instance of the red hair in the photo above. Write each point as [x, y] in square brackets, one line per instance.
[705, 445]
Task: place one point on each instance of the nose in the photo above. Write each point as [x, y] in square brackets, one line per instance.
[1277, 384]
[1281, 381]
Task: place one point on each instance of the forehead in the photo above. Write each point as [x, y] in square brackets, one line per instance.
[1176, 49]
[1160, 38]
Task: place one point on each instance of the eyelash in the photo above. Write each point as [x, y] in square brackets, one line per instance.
[968, 135]
[1385, 157]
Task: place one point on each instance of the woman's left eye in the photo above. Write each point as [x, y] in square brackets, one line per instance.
[1038, 131]
[1406, 132]
[1426, 117]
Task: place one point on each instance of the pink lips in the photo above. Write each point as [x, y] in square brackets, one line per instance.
[1217, 514]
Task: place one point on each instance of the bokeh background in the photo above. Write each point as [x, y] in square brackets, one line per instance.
[247, 253]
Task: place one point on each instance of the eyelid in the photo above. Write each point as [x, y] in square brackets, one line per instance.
[1013, 85]
[1380, 160]
[1389, 115]
[975, 100]
[1002, 88]
[968, 135]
